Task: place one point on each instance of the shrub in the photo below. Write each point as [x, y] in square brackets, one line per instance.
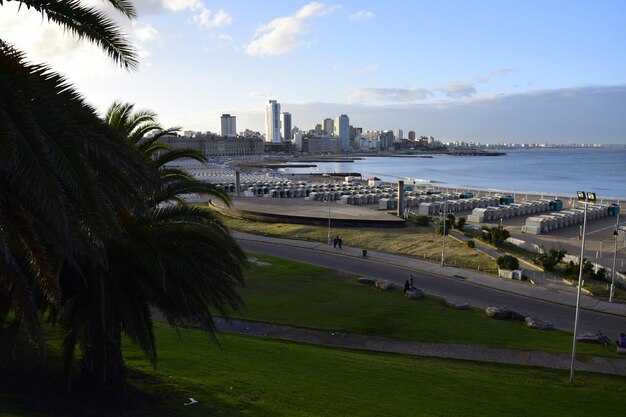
[507, 262]
[421, 220]
[495, 235]
[549, 260]
[460, 224]
[471, 244]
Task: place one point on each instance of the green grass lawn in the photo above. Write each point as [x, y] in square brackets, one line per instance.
[250, 376]
[420, 242]
[304, 295]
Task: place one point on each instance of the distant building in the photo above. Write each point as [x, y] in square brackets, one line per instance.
[342, 131]
[285, 126]
[272, 122]
[355, 132]
[320, 144]
[228, 125]
[297, 138]
[386, 139]
[212, 145]
[318, 128]
[399, 135]
[328, 125]
[411, 135]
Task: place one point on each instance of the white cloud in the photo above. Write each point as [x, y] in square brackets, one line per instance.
[259, 93]
[205, 19]
[284, 34]
[181, 5]
[361, 15]
[458, 89]
[388, 95]
[146, 33]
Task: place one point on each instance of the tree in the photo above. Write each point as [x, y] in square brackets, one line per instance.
[90, 24]
[507, 262]
[177, 259]
[55, 206]
[550, 259]
[421, 220]
[495, 235]
[460, 224]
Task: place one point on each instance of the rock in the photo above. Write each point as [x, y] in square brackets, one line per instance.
[598, 338]
[383, 284]
[503, 314]
[539, 324]
[415, 294]
[366, 281]
[456, 304]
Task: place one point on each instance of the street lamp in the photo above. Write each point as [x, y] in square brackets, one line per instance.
[612, 293]
[585, 199]
[443, 239]
[327, 199]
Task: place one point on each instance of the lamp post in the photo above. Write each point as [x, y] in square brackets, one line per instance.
[327, 198]
[585, 198]
[612, 293]
[443, 239]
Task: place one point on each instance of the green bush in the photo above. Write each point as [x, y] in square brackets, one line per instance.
[549, 260]
[507, 262]
[460, 224]
[421, 220]
[471, 244]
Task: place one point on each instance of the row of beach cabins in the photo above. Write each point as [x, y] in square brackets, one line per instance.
[545, 215]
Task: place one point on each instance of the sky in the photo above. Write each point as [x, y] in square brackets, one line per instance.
[488, 71]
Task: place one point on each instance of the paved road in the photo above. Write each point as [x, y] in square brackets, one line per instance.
[450, 287]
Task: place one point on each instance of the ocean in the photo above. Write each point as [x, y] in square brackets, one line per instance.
[549, 171]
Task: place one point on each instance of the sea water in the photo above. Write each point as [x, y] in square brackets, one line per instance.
[549, 171]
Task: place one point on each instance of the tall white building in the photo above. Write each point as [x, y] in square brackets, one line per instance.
[272, 122]
[285, 126]
[342, 131]
[228, 125]
[399, 135]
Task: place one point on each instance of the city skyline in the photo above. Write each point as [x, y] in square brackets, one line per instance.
[530, 72]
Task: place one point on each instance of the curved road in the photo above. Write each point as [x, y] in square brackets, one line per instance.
[478, 296]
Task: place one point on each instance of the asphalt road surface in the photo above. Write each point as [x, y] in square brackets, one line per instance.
[478, 296]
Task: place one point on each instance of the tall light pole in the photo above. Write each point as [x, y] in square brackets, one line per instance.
[585, 199]
[612, 293]
[443, 239]
[328, 201]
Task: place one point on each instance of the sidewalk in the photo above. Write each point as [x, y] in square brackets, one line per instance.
[560, 294]
[604, 365]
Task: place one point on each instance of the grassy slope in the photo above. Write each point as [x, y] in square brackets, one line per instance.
[413, 241]
[255, 377]
[305, 295]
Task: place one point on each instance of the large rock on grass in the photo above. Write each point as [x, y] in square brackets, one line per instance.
[538, 324]
[503, 314]
[383, 284]
[414, 294]
[366, 281]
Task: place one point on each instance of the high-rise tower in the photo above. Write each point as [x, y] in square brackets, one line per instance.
[272, 121]
[285, 126]
[342, 131]
[228, 125]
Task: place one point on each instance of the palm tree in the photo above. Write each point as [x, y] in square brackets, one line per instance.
[56, 203]
[90, 24]
[172, 258]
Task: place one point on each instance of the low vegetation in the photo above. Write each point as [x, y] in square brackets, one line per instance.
[419, 242]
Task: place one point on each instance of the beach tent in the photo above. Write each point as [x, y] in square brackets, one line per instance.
[374, 181]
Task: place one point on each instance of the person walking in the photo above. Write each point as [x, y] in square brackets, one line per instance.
[339, 242]
[335, 241]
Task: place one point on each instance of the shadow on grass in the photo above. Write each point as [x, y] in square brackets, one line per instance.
[34, 386]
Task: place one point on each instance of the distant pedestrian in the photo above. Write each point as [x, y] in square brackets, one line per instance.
[621, 342]
[335, 241]
[411, 282]
[339, 242]
[407, 285]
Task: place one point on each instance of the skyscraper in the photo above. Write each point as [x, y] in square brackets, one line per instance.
[412, 135]
[399, 135]
[285, 126]
[342, 131]
[329, 126]
[228, 125]
[272, 121]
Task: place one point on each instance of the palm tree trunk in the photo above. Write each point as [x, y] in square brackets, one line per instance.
[103, 364]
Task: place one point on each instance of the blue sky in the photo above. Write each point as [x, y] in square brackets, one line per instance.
[531, 71]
